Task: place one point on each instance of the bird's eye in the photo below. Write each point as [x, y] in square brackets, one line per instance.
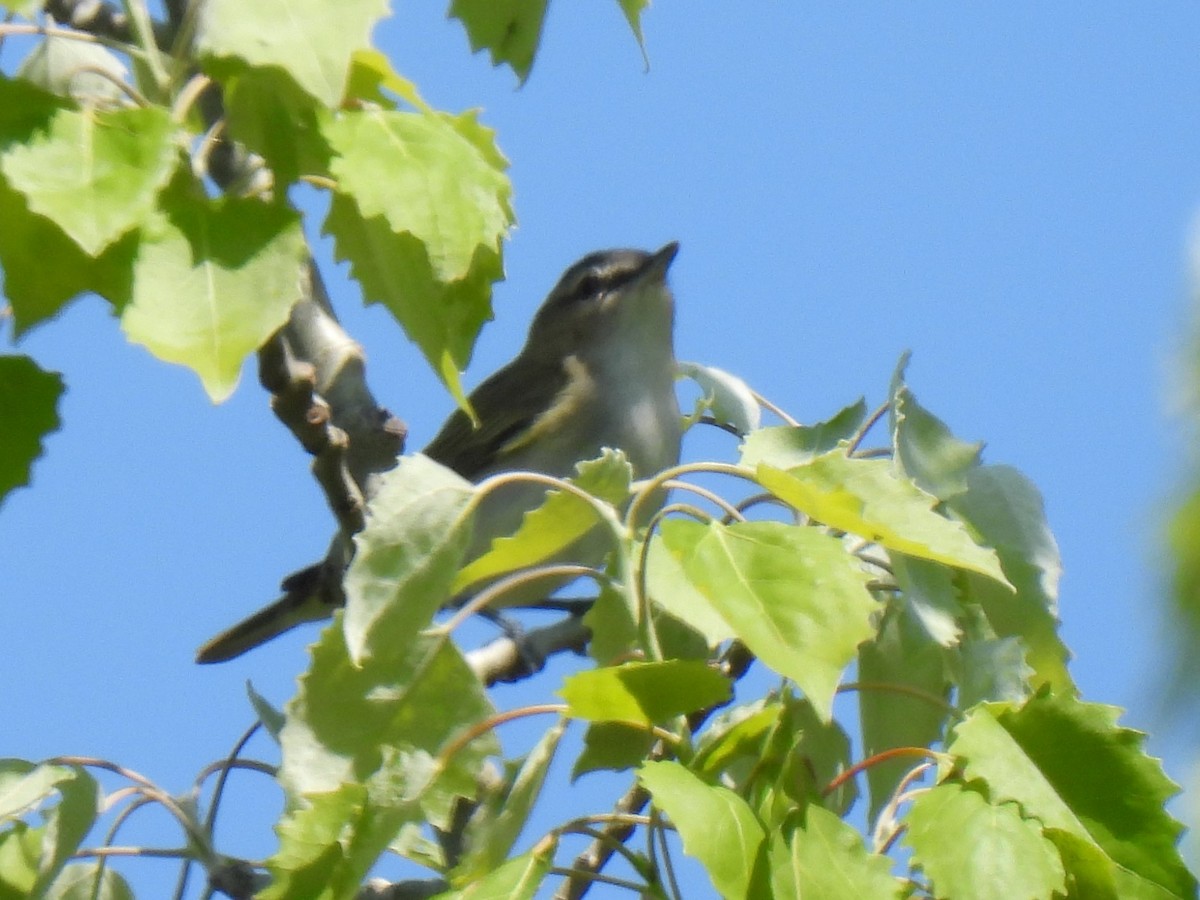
[588, 286]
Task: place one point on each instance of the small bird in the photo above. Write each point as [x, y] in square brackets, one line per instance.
[597, 370]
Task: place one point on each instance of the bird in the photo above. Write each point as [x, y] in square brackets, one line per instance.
[597, 370]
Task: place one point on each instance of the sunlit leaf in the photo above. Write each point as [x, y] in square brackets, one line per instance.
[644, 693]
[976, 850]
[792, 594]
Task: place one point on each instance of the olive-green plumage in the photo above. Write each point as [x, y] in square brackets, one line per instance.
[597, 370]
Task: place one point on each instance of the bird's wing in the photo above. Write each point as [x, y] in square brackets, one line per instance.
[510, 416]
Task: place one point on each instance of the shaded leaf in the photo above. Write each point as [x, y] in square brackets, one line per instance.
[405, 559]
[510, 30]
[38, 291]
[615, 746]
[493, 831]
[79, 882]
[343, 716]
[554, 526]
[928, 453]
[1006, 510]
[901, 655]
[28, 412]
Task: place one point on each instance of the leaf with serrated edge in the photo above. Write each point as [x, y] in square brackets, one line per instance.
[213, 280]
[517, 879]
[343, 714]
[644, 693]
[417, 530]
[442, 319]
[95, 172]
[312, 40]
[924, 446]
[28, 412]
[510, 30]
[552, 527]
[792, 594]
[970, 848]
[435, 176]
[864, 497]
[784, 446]
[716, 826]
[1072, 767]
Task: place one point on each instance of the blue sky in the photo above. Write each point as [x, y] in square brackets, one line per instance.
[1007, 191]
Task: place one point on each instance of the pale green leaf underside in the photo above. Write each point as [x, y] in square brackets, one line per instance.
[864, 497]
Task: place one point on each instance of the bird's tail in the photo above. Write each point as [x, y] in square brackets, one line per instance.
[304, 600]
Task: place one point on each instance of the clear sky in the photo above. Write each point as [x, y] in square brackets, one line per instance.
[1006, 190]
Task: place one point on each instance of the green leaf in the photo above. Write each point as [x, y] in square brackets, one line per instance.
[792, 594]
[1006, 510]
[71, 68]
[441, 318]
[901, 655]
[670, 588]
[931, 594]
[95, 172]
[343, 715]
[554, 526]
[644, 693]
[213, 280]
[928, 453]
[312, 40]
[517, 879]
[67, 824]
[728, 397]
[271, 718]
[79, 882]
[990, 668]
[1069, 765]
[825, 857]
[784, 446]
[715, 825]
[418, 528]
[28, 412]
[20, 848]
[433, 175]
[494, 829]
[38, 291]
[268, 112]
[633, 10]
[975, 850]
[615, 746]
[329, 844]
[24, 786]
[865, 497]
[510, 30]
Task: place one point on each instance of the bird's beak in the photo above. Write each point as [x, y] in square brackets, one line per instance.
[657, 265]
